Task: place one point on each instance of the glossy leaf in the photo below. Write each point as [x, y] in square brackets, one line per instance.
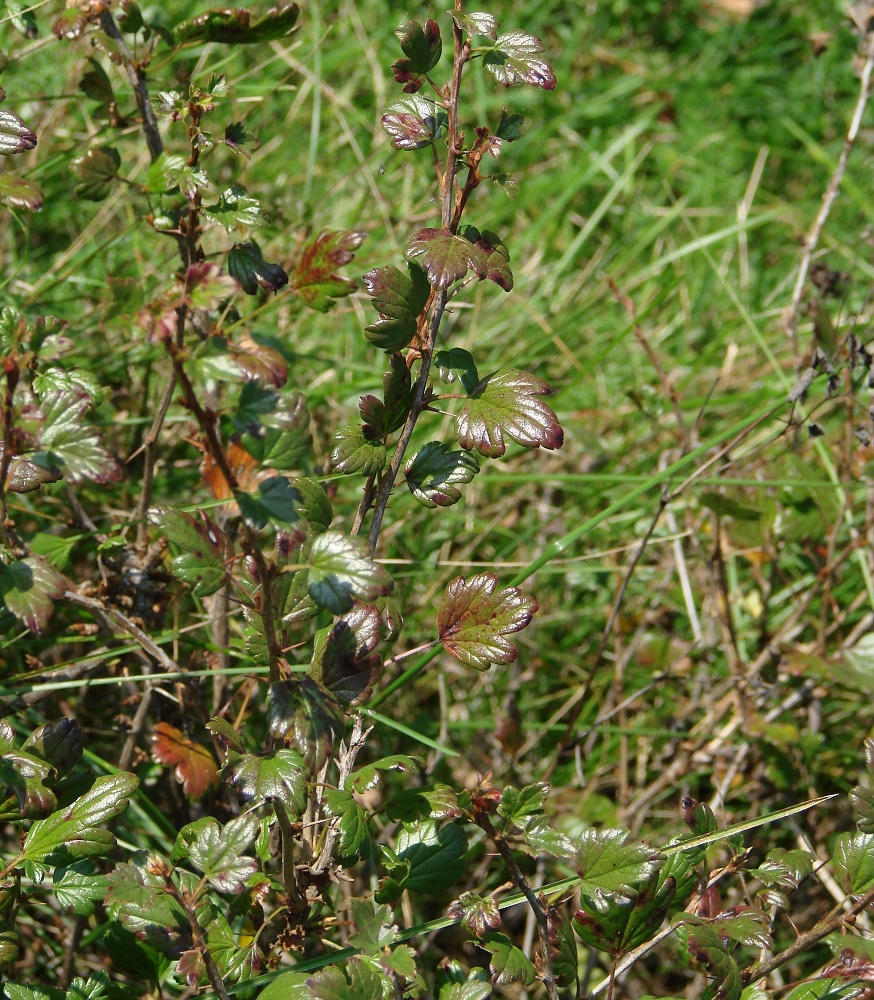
[205, 550]
[474, 619]
[279, 774]
[399, 299]
[305, 711]
[510, 126]
[354, 451]
[69, 445]
[414, 122]
[235, 25]
[235, 208]
[478, 24]
[74, 831]
[73, 380]
[194, 765]
[428, 859]
[138, 898]
[563, 946]
[342, 570]
[434, 473]
[364, 982]
[247, 265]
[369, 776]
[20, 192]
[77, 888]
[58, 744]
[15, 136]
[478, 913]
[25, 476]
[315, 280]
[435, 801]
[422, 47]
[515, 58]
[508, 406]
[95, 172]
[281, 438]
[509, 964]
[474, 989]
[610, 866]
[313, 505]
[217, 851]
[444, 257]
[457, 365]
[853, 860]
[29, 588]
[705, 947]
[343, 658]
[496, 253]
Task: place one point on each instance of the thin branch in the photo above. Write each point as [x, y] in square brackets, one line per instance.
[831, 193]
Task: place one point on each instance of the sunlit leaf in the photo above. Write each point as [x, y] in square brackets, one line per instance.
[342, 570]
[496, 254]
[29, 588]
[25, 476]
[343, 658]
[474, 619]
[20, 192]
[315, 280]
[509, 964]
[236, 26]
[515, 58]
[508, 406]
[422, 48]
[217, 851]
[414, 122]
[95, 172]
[609, 866]
[247, 265]
[205, 551]
[457, 365]
[478, 913]
[853, 860]
[399, 299]
[444, 257]
[69, 445]
[235, 208]
[353, 843]
[15, 136]
[279, 774]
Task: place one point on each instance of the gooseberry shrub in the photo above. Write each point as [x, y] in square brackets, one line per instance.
[302, 851]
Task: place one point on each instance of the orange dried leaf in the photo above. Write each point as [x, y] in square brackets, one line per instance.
[195, 766]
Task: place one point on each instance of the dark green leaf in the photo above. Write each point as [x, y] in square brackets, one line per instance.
[343, 659]
[354, 452]
[234, 26]
[137, 896]
[421, 45]
[95, 83]
[515, 58]
[705, 947]
[508, 405]
[280, 774]
[58, 744]
[342, 570]
[369, 776]
[279, 439]
[314, 280]
[510, 126]
[862, 796]
[29, 588]
[353, 843]
[435, 801]
[77, 888]
[241, 140]
[609, 866]
[399, 300]
[457, 365]
[474, 619]
[275, 500]
[364, 983]
[205, 550]
[235, 208]
[433, 853]
[73, 832]
[247, 265]
[727, 507]
[432, 474]
[20, 192]
[509, 964]
[305, 710]
[382, 417]
[854, 862]
[444, 257]
[95, 172]
[314, 504]
[414, 122]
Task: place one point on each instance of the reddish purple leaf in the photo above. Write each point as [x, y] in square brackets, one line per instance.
[515, 58]
[474, 619]
[445, 257]
[315, 281]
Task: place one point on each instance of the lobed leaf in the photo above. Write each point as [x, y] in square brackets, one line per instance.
[355, 451]
[275, 500]
[314, 280]
[508, 405]
[194, 765]
[509, 964]
[515, 58]
[235, 208]
[217, 851]
[474, 619]
[399, 300]
[234, 26]
[433, 474]
[496, 253]
[457, 365]
[205, 550]
[414, 122]
[444, 257]
[353, 842]
[279, 774]
[29, 588]
[71, 447]
[343, 660]
[95, 172]
[20, 192]
[247, 265]
[342, 570]
[610, 866]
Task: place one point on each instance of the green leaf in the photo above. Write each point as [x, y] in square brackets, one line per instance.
[342, 570]
[510, 126]
[515, 58]
[314, 280]
[305, 710]
[239, 139]
[205, 550]
[704, 945]
[444, 257]
[432, 474]
[73, 832]
[369, 775]
[508, 405]
[399, 300]
[414, 122]
[24, 476]
[609, 866]
[170, 172]
[279, 774]
[457, 365]
[478, 913]
[364, 983]
[478, 24]
[437, 801]
[58, 744]
[29, 588]
[862, 796]
[829, 989]
[383, 417]
[77, 888]
[563, 945]
[509, 964]
[853, 860]
[287, 986]
[137, 897]
[421, 45]
[72, 380]
[433, 853]
[234, 26]
[314, 504]
[275, 500]
[725, 506]
[235, 208]
[354, 451]
[278, 439]
[474, 618]
[95, 172]
[496, 253]
[20, 192]
[207, 286]
[353, 843]
[247, 265]
[472, 990]
[374, 928]
[217, 851]
[70, 446]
